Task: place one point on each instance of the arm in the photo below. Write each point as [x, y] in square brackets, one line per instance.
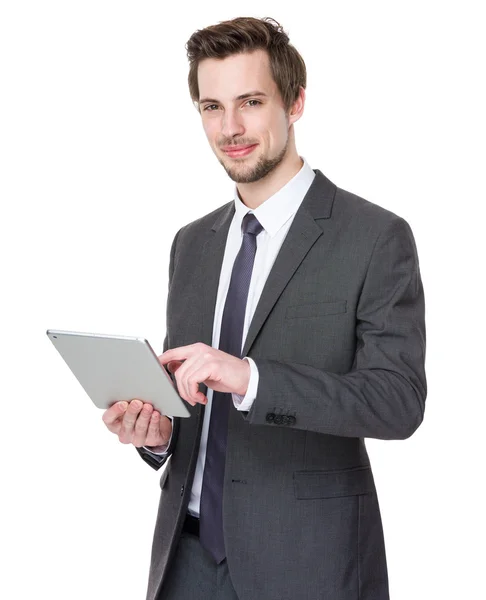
[383, 396]
[158, 456]
[245, 402]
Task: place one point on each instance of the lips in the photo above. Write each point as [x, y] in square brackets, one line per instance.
[235, 151]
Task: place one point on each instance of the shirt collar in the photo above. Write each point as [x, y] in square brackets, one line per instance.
[276, 210]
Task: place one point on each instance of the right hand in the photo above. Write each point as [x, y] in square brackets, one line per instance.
[138, 423]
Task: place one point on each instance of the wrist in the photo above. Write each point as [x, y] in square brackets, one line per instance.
[246, 378]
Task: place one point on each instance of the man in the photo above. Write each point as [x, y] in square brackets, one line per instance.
[295, 329]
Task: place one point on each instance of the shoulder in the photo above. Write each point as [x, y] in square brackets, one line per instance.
[370, 225]
[200, 226]
[367, 219]
[351, 206]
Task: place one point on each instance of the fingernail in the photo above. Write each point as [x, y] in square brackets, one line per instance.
[123, 405]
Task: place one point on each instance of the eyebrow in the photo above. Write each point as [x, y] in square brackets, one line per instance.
[241, 97]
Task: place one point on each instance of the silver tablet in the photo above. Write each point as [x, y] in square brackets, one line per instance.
[113, 368]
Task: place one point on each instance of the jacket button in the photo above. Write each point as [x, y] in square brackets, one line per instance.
[182, 490]
[270, 417]
[278, 419]
[291, 420]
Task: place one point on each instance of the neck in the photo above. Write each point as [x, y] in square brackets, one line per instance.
[255, 194]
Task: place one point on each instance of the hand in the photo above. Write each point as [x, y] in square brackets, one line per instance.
[137, 423]
[200, 363]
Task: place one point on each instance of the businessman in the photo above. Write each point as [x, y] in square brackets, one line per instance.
[295, 330]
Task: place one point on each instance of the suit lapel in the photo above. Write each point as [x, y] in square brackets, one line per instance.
[302, 235]
[212, 255]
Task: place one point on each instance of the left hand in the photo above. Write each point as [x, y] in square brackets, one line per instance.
[200, 363]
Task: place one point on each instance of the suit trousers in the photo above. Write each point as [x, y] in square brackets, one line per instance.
[194, 574]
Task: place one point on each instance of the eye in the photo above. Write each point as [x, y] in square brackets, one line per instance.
[209, 107]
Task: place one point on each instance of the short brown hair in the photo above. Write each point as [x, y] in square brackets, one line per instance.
[246, 34]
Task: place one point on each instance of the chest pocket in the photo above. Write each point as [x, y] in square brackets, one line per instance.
[316, 309]
[319, 334]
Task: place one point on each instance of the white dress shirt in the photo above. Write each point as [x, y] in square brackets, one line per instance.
[275, 215]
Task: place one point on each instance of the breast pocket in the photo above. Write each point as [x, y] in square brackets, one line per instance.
[316, 332]
[316, 309]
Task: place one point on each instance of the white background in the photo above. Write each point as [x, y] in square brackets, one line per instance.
[103, 159]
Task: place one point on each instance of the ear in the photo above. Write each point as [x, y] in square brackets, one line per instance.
[297, 108]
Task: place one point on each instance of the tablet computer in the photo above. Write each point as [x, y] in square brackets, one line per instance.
[112, 368]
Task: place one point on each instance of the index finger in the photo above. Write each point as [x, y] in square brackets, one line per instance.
[114, 412]
[180, 353]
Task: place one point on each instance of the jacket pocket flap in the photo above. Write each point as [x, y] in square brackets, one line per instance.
[333, 484]
[316, 309]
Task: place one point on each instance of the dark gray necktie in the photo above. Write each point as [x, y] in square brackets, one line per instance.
[230, 340]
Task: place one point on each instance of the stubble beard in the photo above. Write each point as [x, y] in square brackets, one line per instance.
[263, 166]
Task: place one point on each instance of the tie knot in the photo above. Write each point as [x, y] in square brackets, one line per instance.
[251, 224]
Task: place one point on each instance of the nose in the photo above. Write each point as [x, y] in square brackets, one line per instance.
[232, 123]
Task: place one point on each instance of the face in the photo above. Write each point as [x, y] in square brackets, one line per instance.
[241, 106]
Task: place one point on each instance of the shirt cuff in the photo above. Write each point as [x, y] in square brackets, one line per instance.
[244, 403]
[157, 450]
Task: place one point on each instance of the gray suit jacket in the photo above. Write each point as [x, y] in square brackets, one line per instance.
[338, 337]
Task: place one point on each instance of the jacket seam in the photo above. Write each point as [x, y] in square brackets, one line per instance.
[358, 546]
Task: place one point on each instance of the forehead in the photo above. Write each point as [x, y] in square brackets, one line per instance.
[226, 78]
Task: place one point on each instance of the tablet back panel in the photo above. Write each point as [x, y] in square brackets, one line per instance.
[112, 368]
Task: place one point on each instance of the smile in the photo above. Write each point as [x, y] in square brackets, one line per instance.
[239, 153]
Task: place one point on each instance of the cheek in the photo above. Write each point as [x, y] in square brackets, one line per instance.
[282, 126]
[277, 128]
[210, 128]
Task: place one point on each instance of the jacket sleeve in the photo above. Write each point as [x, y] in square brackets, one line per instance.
[383, 395]
[152, 459]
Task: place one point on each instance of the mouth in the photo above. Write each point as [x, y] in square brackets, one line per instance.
[239, 152]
